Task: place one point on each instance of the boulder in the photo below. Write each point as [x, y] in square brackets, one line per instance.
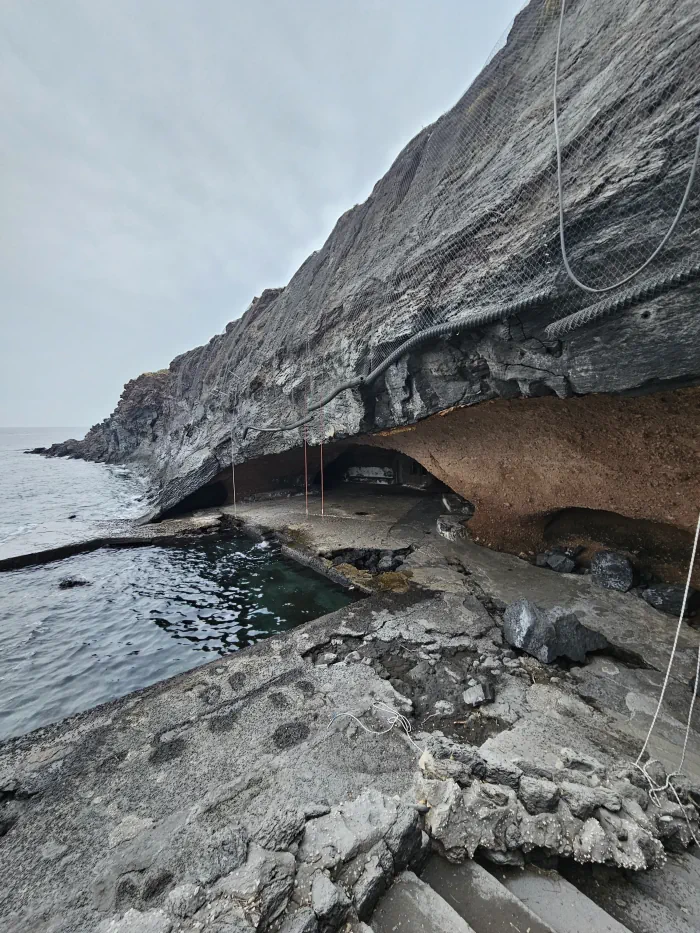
[612, 571]
[262, 886]
[547, 634]
[69, 583]
[560, 562]
[303, 921]
[668, 598]
[538, 795]
[329, 903]
[281, 828]
[451, 527]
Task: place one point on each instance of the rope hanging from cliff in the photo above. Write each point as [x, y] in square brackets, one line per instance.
[322, 492]
[233, 474]
[560, 188]
[654, 788]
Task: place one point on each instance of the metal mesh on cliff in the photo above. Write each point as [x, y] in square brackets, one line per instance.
[572, 228]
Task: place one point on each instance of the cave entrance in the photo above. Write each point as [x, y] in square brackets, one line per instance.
[210, 496]
[346, 465]
[365, 465]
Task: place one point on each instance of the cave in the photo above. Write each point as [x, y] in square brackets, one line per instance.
[344, 465]
[365, 465]
[209, 496]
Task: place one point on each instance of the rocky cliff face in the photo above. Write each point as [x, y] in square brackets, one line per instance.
[466, 219]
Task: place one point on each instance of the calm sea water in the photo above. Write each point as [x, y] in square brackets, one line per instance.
[143, 614]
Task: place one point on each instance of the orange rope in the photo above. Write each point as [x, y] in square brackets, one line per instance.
[306, 464]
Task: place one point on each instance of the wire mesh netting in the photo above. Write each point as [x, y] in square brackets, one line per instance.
[468, 225]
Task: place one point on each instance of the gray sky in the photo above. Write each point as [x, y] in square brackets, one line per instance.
[163, 161]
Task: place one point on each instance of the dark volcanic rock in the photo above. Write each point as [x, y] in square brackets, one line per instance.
[668, 598]
[68, 583]
[547, 634]
[612, 571]
[561, 563]
[464, 220]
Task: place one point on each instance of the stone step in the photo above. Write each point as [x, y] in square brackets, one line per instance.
[411, 906]
[556, 901]
[480, 898]
[619, 895]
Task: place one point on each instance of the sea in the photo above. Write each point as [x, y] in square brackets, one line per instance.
[137, 615]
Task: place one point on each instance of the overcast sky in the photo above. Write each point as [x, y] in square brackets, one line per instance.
[163, 161]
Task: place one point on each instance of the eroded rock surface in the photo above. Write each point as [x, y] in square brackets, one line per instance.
[458, 207]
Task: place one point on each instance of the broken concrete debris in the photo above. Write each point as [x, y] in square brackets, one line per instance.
[479, 694]
[548, 634]
[594, 818]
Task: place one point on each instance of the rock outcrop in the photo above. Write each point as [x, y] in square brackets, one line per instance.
[462, 224]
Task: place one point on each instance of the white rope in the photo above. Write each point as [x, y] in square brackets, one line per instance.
[562, 237]
[395, 719]
[654, 788]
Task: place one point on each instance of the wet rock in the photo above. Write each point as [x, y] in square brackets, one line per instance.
[547, 634]
[403, 838]
[538, 795]
[612, 571]
[280, 829]
[374, 880]
[184, 900]
[451, 527]
[262, 886]
[668, 598]
[69, 583]
[303, 921]
[329, 903]
[480, 694]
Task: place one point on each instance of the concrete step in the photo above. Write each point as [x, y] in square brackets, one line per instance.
[411, 906]
[480, 898]
[617, 893]
[556, 901]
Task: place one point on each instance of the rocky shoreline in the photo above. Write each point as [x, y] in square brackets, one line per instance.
[248, 795]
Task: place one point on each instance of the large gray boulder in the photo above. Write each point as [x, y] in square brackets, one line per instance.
[548, 634]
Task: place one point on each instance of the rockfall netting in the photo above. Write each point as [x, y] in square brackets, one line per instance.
[575, 193]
